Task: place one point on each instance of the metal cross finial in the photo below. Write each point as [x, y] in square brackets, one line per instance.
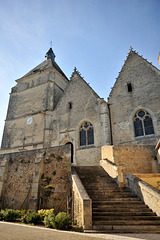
[51, 43]
[131, 48]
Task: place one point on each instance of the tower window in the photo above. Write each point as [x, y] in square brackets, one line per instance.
[129, 87]
[143, 123]
[86, 134]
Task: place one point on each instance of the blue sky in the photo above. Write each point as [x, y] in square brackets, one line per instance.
[93, 35]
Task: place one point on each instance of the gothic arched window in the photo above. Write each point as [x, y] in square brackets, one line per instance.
[143, 123]
[86, 134]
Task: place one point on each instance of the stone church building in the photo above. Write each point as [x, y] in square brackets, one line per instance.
[60, 137]
[46, 109]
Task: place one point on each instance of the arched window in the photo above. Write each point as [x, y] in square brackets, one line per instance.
[143, 123]
[86, 134]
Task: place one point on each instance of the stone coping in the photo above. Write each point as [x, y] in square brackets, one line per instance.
[145, 185]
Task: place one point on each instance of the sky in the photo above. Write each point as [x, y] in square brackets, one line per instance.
[92, 35]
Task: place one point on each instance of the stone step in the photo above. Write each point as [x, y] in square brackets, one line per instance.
[106, 189]
[114, 199]
[124, 218]
[125, 213]
[134, 201]
[126, 222]
[115, 209]
[99, 184]
[124, 229]
[112, 194]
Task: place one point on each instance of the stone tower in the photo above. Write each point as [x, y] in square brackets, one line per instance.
[34, 94]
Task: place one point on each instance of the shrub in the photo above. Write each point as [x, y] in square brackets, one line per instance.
[21, 160]
[32, 217]
[62, 221]
[59, 158]
[49, 220]
[45, 212]
[10, 215]
[1, 216]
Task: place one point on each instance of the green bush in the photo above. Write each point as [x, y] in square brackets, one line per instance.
[10, 215]
[62, 221]
[1, 216]
[45, 212]
[32, 217]
[49, 220]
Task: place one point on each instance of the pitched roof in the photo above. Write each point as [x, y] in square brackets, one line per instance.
[48, 63]
[131, 52]
[75, 72]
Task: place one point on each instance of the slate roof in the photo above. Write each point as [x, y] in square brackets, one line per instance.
[48, 63]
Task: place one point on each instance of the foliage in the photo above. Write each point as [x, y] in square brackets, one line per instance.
[32, 217]
[59, 158]
[54, 173]
[42, 176]
[9, 215]
[62, 221]
[44, 153]
[44, 216]
[49, 220]
[48, 179]
[52, 155]
[45, 212]
[21, 160]
[50, 186]
[1, 216]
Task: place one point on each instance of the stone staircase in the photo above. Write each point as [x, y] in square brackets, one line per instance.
[115, 209]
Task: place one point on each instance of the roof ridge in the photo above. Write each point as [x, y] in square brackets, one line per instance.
[70, 81]
[76, 72]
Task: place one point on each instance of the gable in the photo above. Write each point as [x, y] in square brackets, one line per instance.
[79, 93]
[137, 74]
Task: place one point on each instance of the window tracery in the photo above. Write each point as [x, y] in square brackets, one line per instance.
[86, 134]
[143, 124]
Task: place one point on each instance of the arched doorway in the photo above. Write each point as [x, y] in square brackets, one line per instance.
[72, 150]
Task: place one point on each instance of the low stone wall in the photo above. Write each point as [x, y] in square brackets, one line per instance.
[128, 159]
[152, 179]
[36, 179]
[133, 159]
[110, 168]
[147, 193]
[82, 204]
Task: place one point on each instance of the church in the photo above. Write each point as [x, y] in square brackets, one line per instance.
[46, 109]
[55, 125]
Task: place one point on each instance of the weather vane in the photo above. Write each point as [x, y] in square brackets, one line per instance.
[51, 43]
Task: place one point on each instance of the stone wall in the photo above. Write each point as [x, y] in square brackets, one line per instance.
[36, 179]
[147, 193]
[82, 204]
[119, 160]
[145, 81]
[132, 158]
[78, 104]
[151, 179]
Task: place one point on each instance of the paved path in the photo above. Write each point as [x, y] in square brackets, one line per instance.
[12, 231]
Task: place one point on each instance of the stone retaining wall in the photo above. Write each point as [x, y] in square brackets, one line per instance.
[36, 179]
